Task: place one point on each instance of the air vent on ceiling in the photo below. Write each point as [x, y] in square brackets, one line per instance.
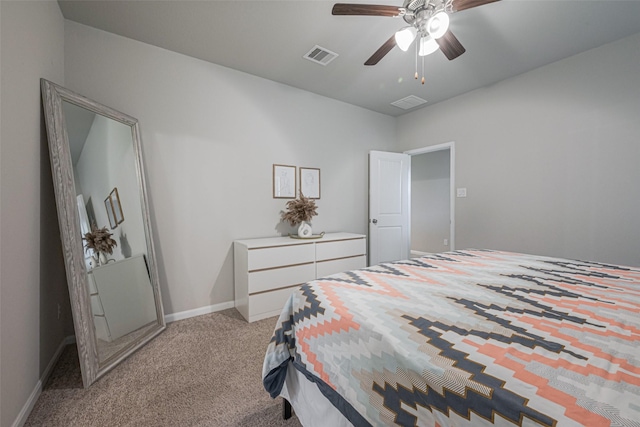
[409, 102]
[320, 55]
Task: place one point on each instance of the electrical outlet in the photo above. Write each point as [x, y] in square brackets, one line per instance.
[59, 311]
[461, 192]
[446, 242]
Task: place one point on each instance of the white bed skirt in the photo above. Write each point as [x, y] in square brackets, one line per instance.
[309, 404]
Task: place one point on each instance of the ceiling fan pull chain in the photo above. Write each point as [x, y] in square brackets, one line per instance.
[423, 70]
[417, 43]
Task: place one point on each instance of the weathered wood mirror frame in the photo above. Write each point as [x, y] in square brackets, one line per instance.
[53, 97]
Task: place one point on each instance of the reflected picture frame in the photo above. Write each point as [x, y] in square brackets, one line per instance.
[284, 182]
[116, 205]
[310, 182]
[108, 205]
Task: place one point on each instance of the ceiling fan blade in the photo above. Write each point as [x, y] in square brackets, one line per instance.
[450, 46]
[459, 5]
[365, 9]
[382, 51]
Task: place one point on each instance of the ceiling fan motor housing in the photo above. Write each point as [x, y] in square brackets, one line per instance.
[419, 12]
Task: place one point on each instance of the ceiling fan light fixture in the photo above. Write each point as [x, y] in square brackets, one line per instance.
[427, 45]
[438, 24]
[405, 37]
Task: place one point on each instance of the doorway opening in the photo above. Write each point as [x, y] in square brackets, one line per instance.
[432, 194]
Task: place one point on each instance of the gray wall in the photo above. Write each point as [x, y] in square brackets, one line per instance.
[550, 158]
[430, 205]
[32, 274]
[210, 136]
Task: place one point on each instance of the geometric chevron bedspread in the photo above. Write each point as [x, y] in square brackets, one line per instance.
[468, 338]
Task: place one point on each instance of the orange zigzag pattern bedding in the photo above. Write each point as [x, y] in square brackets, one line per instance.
[468, 338]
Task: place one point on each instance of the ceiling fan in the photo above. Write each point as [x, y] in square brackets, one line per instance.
[428, 22]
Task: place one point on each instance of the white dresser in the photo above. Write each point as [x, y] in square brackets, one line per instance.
[266, 270]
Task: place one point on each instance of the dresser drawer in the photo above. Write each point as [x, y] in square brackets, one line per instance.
[340, 249]
[268, 304]
[96, 305]
[327, 268]
[102, 328]
[92, 284]
[275, 278]
[260, 258]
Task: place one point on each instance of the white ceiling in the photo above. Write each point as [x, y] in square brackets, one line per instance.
[269, 38]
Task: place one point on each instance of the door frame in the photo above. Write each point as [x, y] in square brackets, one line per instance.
[451, 146]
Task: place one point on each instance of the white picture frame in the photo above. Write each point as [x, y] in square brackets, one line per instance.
[284, 182]
[310, 182]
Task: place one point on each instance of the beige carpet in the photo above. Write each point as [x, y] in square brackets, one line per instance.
[203, 371]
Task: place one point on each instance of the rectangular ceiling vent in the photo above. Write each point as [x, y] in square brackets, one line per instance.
[409, 102]
[320, 55]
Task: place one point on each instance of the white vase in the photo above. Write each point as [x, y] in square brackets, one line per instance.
[304, 229]
[103, 258]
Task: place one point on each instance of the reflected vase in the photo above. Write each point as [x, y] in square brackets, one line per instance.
[98, 259]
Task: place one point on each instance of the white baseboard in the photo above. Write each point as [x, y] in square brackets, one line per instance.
[37, 390]
[418, 254]
[198, 311]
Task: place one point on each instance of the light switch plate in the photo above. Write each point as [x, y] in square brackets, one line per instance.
[461, 192]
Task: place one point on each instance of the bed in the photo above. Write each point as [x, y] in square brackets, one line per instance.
[464, 338]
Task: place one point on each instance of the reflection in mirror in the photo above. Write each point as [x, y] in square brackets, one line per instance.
[122, 301]
[96, 157]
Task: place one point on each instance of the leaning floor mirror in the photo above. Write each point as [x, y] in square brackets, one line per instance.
[99, 183]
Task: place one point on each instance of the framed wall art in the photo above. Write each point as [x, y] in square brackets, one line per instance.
[310, 182]
[284, 182]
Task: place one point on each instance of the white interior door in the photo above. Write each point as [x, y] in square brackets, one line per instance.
[389, 206]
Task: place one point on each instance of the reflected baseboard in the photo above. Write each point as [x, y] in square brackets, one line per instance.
[198, 311]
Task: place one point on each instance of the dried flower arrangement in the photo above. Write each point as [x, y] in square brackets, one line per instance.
[300, 209]
[99, 240]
